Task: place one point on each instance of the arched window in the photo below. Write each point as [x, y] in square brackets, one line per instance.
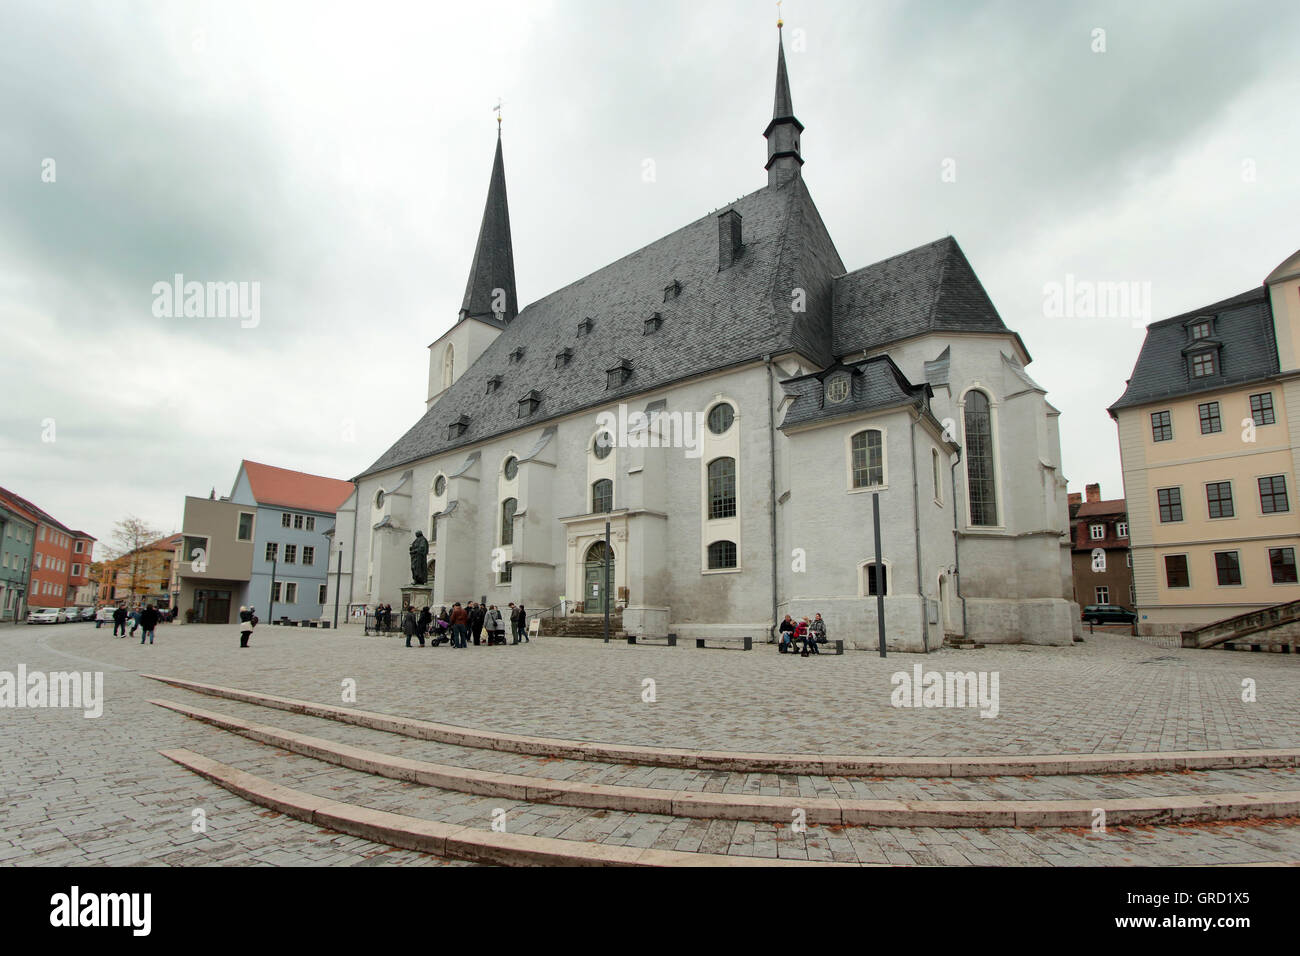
[722, 554]
[602, 496]
[508, 520]
[871, 581]
[979, 460]
[722, 488]
[938, 479]
[868, 459]
[448, 366]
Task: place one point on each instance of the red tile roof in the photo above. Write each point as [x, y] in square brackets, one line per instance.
[31, 511]
[295, 489]
[1111, 507]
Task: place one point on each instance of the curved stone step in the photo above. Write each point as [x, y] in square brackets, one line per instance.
[817, 764]
[441, 839]
[775, 809]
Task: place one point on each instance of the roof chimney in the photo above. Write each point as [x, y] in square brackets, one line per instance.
[730, 247]
[1094, 491]
[1075, 498]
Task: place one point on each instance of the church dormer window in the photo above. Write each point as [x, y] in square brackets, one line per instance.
[517, 355]
[493, 384]
[528, 404]
[652, 324]
[673, 290]
[619, 374]
[837, 389]
[562, 358]
[585, 326]
[458, 427]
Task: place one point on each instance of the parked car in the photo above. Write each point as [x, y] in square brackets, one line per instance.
[46, 615]
[1108, 614]
[72, 614]
[85, 614]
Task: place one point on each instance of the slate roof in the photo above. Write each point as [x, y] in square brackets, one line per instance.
[719, 319]
[1111, 506]
[33, 512]
[1243, 328]
[494, 258]
[928, 289]
[876, 383]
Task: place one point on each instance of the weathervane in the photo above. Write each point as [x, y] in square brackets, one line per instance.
[497, 109]
[779, 22]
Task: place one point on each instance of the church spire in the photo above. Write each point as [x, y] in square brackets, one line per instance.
[782, 134]
[490, 292]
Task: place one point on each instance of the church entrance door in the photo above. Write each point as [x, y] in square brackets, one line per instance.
[594, 592]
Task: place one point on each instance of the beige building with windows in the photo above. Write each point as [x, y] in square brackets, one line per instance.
[1209, 431]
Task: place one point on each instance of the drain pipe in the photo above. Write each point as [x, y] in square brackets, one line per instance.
[956, 537]
[771, 447]
[916, 528]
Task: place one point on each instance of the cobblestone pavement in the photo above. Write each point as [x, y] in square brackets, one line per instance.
[96, 790]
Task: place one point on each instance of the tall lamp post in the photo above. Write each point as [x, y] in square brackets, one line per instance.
[338, 581]
[275, 563]
[605, 593]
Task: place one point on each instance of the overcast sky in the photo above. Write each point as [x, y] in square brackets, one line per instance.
[338, 155]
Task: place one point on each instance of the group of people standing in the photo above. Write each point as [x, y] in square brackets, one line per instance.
[459, 624]
[144, 619]
[809, 633]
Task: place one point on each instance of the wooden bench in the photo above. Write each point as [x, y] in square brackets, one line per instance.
[835, 647]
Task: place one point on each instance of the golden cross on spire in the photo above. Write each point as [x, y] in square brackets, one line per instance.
[779, 22]
[497, 109]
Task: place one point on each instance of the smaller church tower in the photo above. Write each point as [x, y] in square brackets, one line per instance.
[490, 301]
[784, 132]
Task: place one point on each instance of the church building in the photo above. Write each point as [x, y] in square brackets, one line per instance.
[731, 399]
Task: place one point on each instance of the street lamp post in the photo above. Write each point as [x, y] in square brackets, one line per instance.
[275, 559]
[338, 580]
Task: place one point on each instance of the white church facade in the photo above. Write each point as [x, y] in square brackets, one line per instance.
[763, 395]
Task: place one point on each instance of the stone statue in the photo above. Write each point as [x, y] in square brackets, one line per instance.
[419, 559]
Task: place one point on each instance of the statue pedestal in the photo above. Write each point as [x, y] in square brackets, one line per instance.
[417, 595]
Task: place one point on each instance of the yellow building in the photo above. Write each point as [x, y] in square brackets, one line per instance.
[144, 576]
[1209, 433]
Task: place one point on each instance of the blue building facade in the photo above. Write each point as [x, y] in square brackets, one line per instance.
[291, 547]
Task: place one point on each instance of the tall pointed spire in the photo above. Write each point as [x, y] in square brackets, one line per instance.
[782, 134]
[490, 292]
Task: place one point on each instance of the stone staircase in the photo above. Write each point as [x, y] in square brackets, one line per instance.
[491, 797]
[584, 625]
[1278, 625]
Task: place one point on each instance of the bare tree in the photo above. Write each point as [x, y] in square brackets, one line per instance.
[131, 537]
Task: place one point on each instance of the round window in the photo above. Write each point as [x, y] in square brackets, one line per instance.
[379, 499]
[512, 468]
[440, 485]
[837, 389]
[720, 418]
[603, 445]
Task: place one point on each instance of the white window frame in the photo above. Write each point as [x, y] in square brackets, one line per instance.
[286, 520]
[1096, 532]
[1121, 529]
[884, 457]
[999, 484]
[252, 525]
[863, 590]
[1097, 593]
[290, 592]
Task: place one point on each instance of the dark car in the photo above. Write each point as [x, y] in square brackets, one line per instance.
[1108, 614]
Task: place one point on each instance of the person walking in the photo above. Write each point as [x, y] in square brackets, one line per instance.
[422, 625]
[135, 620]
[246, 624]
[148, 621]
[119, 620]
[496, 626]
[459, 625]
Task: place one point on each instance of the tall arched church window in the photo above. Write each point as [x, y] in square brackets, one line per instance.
[979, 460]
[722, 488]
[448, 366]
[602, 496]
[508, 520]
